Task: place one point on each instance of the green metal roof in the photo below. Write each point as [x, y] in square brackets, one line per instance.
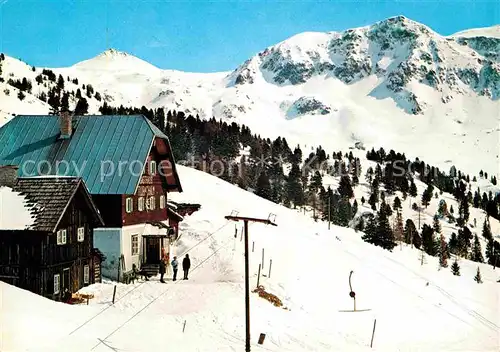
[107, 151]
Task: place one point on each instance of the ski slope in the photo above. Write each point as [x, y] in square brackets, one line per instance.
[417, 308]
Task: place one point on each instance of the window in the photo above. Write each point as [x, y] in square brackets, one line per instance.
[56, 284]
[150, 204]
[81, 234]
[152, 167]
[129, 206]
[135, 244]
[61, 237]
[162, 202]
[140, 204]
[86, 274]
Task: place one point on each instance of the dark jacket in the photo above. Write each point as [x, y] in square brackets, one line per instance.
[186, 263]
[162, 267]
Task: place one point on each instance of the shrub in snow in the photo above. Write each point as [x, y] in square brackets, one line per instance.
[455, 268]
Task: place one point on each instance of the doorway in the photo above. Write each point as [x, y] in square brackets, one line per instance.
[152, 245]
[66, 280]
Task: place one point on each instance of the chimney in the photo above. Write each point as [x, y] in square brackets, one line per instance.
[66, 123]
[8, 175]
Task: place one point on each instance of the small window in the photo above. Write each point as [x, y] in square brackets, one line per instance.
[162, 202]
[151, 203]
[61, 237]
[152, 167]
[140, 204]
[56, 284]
[135, 244]
[81, 234]
[86, 274]
[129, 205]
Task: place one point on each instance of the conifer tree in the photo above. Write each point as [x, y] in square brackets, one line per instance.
[413, 189]
[443, 253]
[344, 213]
[396, 205]
[373, 200]
[82, 107]
[354, 208]
[263, 188]
[410, 232]
[371, 226]
[363, 200]
[463, 212]
[436, 226]
[399, 228]
[384, 231]
[493, 252]
[455, 268]
[464, 241]
[487, 230]
[294, 188]
[453, 244]
[427, 196]
[369, 175]
[478, 278]
[345, 189]
[477, 253]
[428, 242]
[443, 208]
[60, 82]
[65, 101]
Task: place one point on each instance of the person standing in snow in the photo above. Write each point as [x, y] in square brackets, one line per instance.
[174, 268]
[186, 264]
[162, 269]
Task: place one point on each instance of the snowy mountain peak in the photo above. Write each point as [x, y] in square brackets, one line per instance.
[115, 60]
[111, 52]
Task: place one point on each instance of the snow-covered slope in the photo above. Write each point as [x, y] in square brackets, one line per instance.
[417, 308]
[493, 32]
[396, 84]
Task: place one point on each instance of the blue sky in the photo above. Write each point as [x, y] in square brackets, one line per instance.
[202, 36]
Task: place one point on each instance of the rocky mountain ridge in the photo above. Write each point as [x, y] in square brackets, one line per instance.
[397, 51]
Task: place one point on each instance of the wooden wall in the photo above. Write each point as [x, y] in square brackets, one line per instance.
[150, 185]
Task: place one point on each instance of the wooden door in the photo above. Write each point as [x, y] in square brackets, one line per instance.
[66, 280]
[153, 250]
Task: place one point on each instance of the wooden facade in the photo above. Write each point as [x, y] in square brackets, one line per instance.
[149, 203]
[57, 253]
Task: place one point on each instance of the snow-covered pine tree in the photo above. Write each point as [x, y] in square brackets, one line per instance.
[455, 268]
[477, 278]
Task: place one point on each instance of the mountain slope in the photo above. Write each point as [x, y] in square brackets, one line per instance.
[416, 307]
[395, 84]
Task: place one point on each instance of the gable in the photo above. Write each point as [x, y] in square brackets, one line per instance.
[50, 197]
[107, 152]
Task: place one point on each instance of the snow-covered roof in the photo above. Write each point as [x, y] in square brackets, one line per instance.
[15, 212]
